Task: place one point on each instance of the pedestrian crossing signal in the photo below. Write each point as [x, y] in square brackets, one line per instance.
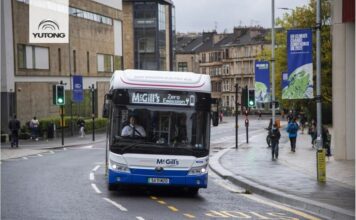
[58, 95]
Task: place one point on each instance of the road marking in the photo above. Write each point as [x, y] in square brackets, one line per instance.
[95, 188]
[116, 205]
[299, 213]
[161, 202]
[189, 215]
[51, 152]
[91, 176]
[174, 209]
[153, 197]
[140, 218]
[96, 168]
[40, 155]
[87, 147]
[64, 148]
[25, 158]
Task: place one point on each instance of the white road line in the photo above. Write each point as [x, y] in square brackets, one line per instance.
[64, 148]
[95, 188]
[96, 168]
[51, 152]
[91, 176]
[40, 155]
[87, 147]
[116, 205]
[140, 218]
[25, 158]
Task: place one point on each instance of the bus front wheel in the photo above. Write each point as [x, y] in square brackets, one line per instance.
[112, 187]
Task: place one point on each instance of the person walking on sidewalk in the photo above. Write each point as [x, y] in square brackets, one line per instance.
[14, 126]
[326, 140]
[312, 132]
[34, 124]
[275, 136]
[292, 129]
[81, 125]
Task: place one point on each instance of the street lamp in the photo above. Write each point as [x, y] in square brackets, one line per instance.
[92, 90]
[272, 66]
[292, 12]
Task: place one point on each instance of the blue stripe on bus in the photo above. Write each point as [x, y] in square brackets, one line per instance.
[141, 177]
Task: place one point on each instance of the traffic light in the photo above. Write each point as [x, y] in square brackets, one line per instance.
[244, 97]
[60, 95]
[251, 98]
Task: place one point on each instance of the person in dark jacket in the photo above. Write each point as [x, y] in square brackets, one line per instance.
[326, 140]
[14, 126]
[292, 129]
[275, 136]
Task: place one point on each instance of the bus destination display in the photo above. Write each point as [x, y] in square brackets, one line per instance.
[162, 99]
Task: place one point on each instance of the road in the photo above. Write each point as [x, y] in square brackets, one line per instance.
[70, 184]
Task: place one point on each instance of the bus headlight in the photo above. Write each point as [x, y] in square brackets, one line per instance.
[198, 170]
[119, 167]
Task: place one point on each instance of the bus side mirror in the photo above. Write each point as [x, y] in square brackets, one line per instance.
[106, 110]
[106, 105]
[215, 119]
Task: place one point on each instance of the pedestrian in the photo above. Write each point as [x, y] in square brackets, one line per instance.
[81, 125]
[34, 124]
[326, 140]
[259, 115]
[275, 136]
[14, 126]
[302, 121]
[292, 129]
[221, 116]
[290, 116]
[312, 132]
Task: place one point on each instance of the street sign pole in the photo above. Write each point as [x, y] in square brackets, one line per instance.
[62, 124]
[236, 117]
[272, 66]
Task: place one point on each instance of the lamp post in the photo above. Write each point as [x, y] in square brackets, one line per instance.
[92, 90]
[272, 68]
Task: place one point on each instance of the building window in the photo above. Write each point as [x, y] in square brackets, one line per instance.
[226, 68]
[118, 63]
[182, 67]
[74, 61]
[59, 60]
[32, 57]
[105, 63]
[88, 62]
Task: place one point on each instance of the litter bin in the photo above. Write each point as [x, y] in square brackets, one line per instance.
[50, 130]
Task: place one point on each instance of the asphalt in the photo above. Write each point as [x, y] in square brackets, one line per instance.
[290, 180]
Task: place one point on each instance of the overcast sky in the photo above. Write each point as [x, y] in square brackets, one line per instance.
[199, 15]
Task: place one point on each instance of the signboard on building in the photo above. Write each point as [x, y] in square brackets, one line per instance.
[300, 65]
[77, 95]
[262, 82]
[49, 21]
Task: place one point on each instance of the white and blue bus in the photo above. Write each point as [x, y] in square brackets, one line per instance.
[173, 109]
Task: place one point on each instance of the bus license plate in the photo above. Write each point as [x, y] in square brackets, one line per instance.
[158, 180]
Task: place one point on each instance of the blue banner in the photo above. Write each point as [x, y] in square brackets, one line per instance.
[77, 95]
[300, 65]
[262, 82]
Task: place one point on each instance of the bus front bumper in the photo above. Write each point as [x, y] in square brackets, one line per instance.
[181, 178]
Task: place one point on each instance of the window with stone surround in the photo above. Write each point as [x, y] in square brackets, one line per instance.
[32, 57]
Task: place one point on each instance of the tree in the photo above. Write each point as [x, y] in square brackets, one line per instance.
[304, 17]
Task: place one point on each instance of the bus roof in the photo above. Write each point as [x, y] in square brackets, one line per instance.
[164, 80]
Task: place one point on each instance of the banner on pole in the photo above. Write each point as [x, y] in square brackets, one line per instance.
[300, 65]
[262, 82]
[77, 95]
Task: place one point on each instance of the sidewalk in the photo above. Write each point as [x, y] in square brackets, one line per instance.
[291, 179]
[31, 147]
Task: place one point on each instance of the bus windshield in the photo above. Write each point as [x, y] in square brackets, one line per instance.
[159, 130]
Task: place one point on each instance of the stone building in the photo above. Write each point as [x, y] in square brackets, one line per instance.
[343, 73]
[228, 58]
[149, 31]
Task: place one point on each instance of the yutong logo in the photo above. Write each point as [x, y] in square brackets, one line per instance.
[168, 161]
[50, 30]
